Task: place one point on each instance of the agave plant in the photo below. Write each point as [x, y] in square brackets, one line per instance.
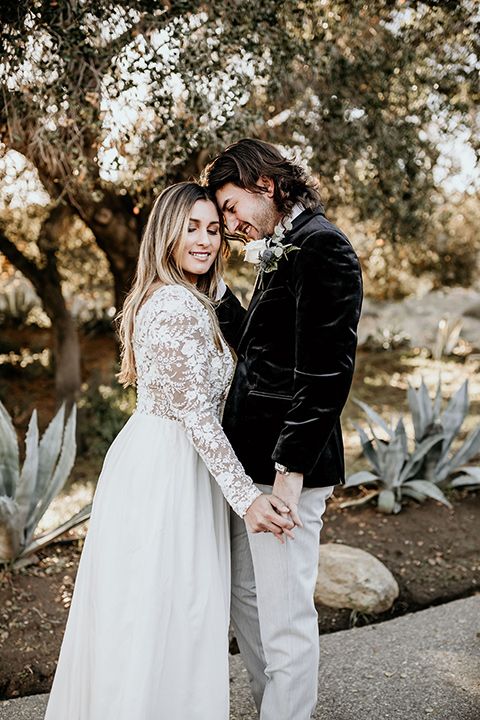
[440, 464]
[395, 469]
[26, 495]
[17, 299]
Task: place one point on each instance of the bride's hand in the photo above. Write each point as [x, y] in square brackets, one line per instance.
[268, 513]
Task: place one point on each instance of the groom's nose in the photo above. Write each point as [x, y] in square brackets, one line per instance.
[231, 222]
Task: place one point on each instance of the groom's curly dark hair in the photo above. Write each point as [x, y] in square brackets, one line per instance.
[244, 162]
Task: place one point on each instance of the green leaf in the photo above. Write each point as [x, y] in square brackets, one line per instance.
[28, 477]
[415, 460]
[59, 478]
[368, 448]
[437, 405]
[413, 403]
[374, 417]
[395, 457]
[469, 449]
[48, 452]
[11, 530]
[427, 488]
[420, 408]
[386, 501]
[453, 416]
[361, 478]
[410, 492]
[9, 460]
[50, 535]
[470, 476]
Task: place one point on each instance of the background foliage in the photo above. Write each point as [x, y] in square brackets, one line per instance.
[104, 103]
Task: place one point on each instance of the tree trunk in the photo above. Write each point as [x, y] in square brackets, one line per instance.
[67, 348]
[47, 283]
[117, 231]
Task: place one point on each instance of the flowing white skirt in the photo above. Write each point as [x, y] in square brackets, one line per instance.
[147, 633]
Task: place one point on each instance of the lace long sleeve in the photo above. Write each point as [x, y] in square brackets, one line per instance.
[181, 372]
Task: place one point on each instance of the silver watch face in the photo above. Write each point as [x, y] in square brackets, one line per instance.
[282, 469]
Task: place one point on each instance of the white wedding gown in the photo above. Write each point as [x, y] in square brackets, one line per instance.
[147, 634]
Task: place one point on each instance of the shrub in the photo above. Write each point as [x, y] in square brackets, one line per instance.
[26, 495]
[432, 467]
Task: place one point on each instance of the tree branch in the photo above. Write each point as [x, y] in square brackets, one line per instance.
[18, 259]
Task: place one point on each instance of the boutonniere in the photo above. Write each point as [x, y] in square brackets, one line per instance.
[267, 252]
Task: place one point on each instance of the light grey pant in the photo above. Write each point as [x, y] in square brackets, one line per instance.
[273, 611]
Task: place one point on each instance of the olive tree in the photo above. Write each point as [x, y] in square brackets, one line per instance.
[111, 101]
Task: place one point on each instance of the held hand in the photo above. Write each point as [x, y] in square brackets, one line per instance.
[288, 487]
[268, 513]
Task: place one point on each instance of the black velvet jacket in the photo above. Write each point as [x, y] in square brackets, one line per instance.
[296, 349]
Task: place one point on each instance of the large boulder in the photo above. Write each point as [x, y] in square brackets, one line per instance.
[352, 578]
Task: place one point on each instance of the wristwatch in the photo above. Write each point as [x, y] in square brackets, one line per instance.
[282, 469]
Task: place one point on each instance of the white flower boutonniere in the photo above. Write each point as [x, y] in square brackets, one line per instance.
[267, 252]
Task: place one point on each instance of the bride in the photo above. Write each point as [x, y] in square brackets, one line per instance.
[147, 634]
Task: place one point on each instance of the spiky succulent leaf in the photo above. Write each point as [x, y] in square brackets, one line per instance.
[413, 404]
[401, 433]
[382, 455]
[453, 416]
[11, 530]
[367, 446]
[387, 502]
[437, 403]
[62, 471]
[361, 478]
[48, 452]
[49, 536]
[469, 449]
[395, 456]
[425, 487]
[420, 408]
[466, 480]
[410, 492]
[374, 416]
[415, 460]
[9, 460]
[28, 476]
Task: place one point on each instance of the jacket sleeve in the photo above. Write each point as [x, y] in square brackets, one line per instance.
[230, 314]
[327, 284]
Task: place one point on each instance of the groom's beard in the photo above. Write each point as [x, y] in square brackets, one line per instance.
[264, 218]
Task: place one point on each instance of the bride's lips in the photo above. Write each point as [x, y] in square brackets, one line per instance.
[200, 255]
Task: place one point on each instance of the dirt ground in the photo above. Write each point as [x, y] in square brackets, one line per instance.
[433, 551]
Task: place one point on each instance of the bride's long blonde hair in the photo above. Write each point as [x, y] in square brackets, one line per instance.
[166, 230]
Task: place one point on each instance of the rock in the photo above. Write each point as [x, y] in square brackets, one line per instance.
[352, 578]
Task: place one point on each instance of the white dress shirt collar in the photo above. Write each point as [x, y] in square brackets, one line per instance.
[296, 211]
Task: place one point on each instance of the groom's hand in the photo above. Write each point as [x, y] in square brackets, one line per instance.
[268, 513]
[288, 488]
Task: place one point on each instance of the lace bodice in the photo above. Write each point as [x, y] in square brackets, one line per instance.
[183, 376]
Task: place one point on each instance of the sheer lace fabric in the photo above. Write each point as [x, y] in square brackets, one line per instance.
[183, 376]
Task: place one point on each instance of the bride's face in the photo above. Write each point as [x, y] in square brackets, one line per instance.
[202, 242]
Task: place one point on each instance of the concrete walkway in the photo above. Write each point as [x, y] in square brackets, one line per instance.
[424, 665]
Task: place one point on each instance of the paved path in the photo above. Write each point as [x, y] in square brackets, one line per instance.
[420, 666]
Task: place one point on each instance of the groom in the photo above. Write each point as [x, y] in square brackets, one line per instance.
[295, 346]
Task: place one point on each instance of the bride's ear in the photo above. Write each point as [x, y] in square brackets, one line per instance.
[267, 185]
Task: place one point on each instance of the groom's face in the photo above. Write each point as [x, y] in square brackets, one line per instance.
[253, 214]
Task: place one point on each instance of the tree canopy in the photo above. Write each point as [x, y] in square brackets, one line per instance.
[112, 100]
